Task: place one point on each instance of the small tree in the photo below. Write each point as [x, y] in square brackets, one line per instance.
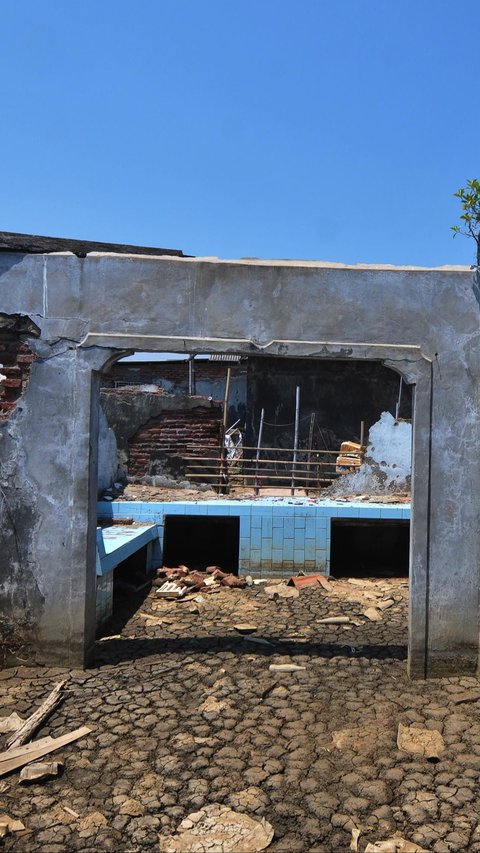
[470, 198]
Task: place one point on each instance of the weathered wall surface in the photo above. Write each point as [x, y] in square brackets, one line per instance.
[172, 376]
[150, 427]
[340, 393]
[422, 322]
[387, 464]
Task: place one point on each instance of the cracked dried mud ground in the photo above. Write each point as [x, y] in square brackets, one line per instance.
[161, 747]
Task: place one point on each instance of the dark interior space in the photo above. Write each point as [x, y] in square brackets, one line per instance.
[340, 394]
[369, 548]
[201, 541]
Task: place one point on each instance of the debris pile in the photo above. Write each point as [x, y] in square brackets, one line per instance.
[176, 583]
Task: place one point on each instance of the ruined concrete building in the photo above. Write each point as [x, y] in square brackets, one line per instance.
[71, 310]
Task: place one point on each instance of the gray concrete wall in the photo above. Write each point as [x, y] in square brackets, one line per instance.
[422, 322]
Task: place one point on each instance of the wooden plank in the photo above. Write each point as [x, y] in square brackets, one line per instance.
[12, 759]
[35, 720]
[36, 244]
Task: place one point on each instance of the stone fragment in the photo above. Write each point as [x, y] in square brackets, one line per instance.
[426, 742]
[463, 698]
[364, 739]
[384, 605]
[281, 590]
[93, 820]
[395, 844]
[132, 808]
[10, 825]
[12, 723]
[40, 770]
[220, 829]
[373, 614]
[245, 628]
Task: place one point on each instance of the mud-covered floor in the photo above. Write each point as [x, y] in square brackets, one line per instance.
[184, 712]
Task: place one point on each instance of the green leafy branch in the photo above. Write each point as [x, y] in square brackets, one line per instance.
[470, 227]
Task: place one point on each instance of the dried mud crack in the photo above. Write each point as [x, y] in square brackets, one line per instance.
[186, 714]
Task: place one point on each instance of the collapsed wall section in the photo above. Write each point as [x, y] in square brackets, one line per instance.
[153, 430]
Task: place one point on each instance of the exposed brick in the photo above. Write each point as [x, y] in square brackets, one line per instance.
[172, 433]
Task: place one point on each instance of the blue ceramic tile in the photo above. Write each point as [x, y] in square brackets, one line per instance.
[267, 527]
[266, 549]
[256, 538]
[277, 538]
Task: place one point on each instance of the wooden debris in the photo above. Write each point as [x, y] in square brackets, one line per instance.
[12, 723]
[326, 584]
[10, 825]
[285, 667]
[39, 771]
[32, 723]
[355, 836]
[245, 628]
[334, 620]
[70, 812]
[21, 755]
[426, 742]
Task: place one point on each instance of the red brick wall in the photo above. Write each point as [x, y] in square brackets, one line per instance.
[16, 358]
[170, 371]
[171, 433]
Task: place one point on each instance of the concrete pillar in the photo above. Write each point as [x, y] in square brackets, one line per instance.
[49, 574]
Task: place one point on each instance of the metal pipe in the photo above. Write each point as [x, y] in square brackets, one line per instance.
[259, 443]
[295, 441]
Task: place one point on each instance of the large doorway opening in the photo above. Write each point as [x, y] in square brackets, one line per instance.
[369, 548]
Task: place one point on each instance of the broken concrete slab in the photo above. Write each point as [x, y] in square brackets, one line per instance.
[420, 741]
[218, 829]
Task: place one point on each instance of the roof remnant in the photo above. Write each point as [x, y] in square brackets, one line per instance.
[32, 244]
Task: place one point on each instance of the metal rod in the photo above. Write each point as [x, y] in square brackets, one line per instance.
[362, 432]
[310, 438]
[275, 449]
[397, 407]
[191, 376]
[295, 441]
[259, 444]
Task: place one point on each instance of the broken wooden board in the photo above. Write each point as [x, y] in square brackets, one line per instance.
[21, 755]
[35, 720]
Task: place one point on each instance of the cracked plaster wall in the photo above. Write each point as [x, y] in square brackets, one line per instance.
[422, 322]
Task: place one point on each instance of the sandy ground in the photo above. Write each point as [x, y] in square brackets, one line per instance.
[185, 712]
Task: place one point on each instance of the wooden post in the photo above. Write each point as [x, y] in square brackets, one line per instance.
[295, 442]
[259, 444]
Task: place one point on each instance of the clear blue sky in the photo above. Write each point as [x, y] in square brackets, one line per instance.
[269, 128]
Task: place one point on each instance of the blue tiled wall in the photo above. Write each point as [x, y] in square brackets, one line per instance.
[277, 537]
